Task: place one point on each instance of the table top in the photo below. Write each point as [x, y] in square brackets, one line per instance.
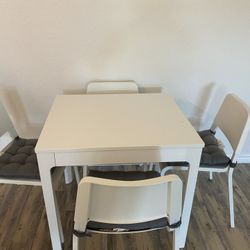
[116, 121]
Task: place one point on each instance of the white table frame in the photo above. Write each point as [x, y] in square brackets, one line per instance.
[49, 157]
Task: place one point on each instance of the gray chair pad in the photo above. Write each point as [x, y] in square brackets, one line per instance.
[124, 175]
[107, 227]
[19, 160]
[212, 155]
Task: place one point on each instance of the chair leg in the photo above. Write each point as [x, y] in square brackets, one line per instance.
[84, 171]
[75, 242]
[210, 175]
[231, 196]
[151, 166]
[144, 166]
[165, 169]
[68, 175]
[175, 240]
[158, 167]
[76, 171]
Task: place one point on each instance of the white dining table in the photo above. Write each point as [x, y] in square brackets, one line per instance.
[115, 129]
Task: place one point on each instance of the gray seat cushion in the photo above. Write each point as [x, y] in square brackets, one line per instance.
[107, 227]
[124, 175]
[212, 154]
[19, 160]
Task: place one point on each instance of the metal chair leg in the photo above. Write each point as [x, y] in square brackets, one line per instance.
[68, 174]
[76, 171]
[75, 242]
[84, 171]
[151, 166]
[175, 240]
[230, 196]
[210, 175]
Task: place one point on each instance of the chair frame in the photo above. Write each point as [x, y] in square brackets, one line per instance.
[96, 196]
[233, 118]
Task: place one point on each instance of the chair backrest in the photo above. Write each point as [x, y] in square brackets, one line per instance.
[122, 87]
[233, 120]
[17, 117]
[12, 104]
[127, 202]
[7, 130]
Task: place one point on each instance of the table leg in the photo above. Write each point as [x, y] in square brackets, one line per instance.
[46, 162]
[194, 160]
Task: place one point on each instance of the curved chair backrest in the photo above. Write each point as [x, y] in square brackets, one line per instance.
[233, 119]
[15, 113]
[7, 130]
[127, 202]
[15, 110]
[122, 87]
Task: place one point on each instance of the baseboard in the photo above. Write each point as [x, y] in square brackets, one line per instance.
[244, 158]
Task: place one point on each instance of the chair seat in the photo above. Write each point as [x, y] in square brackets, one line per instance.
[124, 175]
[212, 155]
[19, 160]
[108, 227]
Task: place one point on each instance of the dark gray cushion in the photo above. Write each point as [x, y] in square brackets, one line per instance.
[19, 160]
[124, 175]
[212, 154]
[99, 226]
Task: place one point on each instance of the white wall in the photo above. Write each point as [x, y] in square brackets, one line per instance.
[47, 46]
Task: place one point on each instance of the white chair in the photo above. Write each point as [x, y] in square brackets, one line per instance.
[12, 109]
[233, 120]
[115, 87]
[18, 162]
[116, 206]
